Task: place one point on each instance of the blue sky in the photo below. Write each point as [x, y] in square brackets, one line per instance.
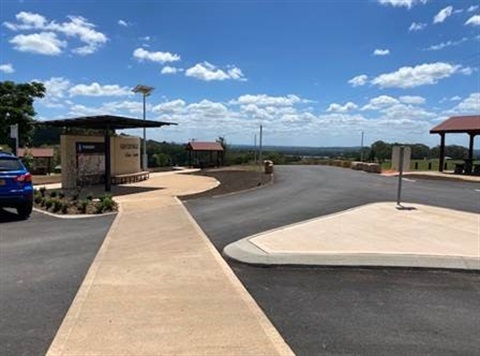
[313, 73]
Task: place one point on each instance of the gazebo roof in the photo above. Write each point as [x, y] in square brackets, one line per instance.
[36, 152]
[101, 122]
[459, 124]
[204, 146]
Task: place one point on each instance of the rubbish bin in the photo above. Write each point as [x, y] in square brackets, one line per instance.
[268, 167]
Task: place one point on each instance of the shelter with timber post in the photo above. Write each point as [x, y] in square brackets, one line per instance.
[457, 125]
[205, 154]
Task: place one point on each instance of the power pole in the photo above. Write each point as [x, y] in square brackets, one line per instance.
[260, 158]
[361, 149]
[255, 149]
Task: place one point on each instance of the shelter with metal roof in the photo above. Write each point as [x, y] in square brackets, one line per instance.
[454, 125]
[198, 152]
[106, 124]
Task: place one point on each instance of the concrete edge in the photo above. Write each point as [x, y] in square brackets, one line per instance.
[272, 333]
[57, 347]
[76, 216]
[246, 252]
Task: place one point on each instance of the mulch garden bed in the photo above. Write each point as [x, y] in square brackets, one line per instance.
[231, 180]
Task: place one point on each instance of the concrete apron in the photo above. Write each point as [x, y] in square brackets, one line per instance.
[373, 235]
[158, 286]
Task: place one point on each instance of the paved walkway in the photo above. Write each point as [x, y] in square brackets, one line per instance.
[435, 175]
[158, 287]
[373, 235]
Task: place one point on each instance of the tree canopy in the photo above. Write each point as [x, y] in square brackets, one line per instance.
[16, 107]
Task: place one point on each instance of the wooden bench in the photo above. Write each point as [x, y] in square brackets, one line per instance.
[130, 177]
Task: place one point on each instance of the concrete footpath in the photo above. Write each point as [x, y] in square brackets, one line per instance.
[158, 287]
[373, 235]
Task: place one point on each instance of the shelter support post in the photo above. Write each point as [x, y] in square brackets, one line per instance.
[470, 147]
[108, 170]
[442, 152]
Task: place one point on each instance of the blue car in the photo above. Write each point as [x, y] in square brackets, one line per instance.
[16, 188]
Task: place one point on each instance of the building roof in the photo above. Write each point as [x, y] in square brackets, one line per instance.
[36, 152]
[102, 122]
[204, 146]
[459, 124]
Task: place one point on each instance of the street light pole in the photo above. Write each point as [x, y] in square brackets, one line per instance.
[145, 91]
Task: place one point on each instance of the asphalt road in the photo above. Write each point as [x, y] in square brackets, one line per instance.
[43, 261]
[350, 310]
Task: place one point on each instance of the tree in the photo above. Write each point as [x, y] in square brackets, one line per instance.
[16, 107]
[381, 151]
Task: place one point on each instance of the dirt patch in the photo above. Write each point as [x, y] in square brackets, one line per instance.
[231, 181]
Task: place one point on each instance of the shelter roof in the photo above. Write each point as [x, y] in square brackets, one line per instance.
[111, 122]
[459, 124]
[36, 152]
[204, 146]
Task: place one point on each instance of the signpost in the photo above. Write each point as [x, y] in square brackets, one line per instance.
[14, 134]
[400, 174]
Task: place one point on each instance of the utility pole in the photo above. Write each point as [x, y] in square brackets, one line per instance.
[14, 134]
[260, 158]
[361, 148]
[255, 149]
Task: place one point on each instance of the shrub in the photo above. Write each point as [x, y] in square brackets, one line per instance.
[61, 195]
[48, 203]
[106, 203]
[42, 191]
[75, 196]
[53, 194]
[90, 196]
[57, 205]
[43, 201]
[82, 205]
[64, 208]
[37, 199]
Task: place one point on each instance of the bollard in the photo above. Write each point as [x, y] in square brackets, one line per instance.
[429, 166]
[445, 166]
[416, 166]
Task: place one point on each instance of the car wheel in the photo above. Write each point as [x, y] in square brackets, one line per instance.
[25, 210]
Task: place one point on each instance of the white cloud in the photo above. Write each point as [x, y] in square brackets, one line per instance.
[76, 27]
[46, 43]
[470, 105]
[7, 68]
[267, 100]
[142, 54]
[342, 108]
[170, 107]
[359, 80]
[208, 72]
[402, 3]
[123, 23]
[381, 52]
[473, 8]
[28, 21]
[55, 87]
[443, 45]
[413, 100]
[411, 77]
[474, 20]
[417, 26]
[380, 102]
[170, 70]
[145, 38]
[455, 98]
[443, 14]
[96, 89]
